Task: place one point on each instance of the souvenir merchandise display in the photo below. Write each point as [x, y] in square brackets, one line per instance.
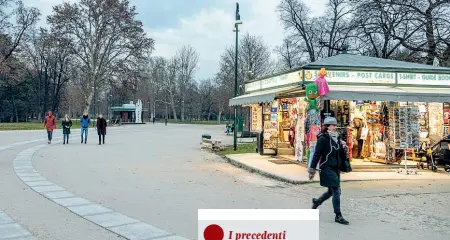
[256, 118]
[312, 121]
[321, 82]
[375, 145]
[286, 114]
[360, 130]
[270, 136]
[446, 113]
[404, 129]
[423, 122]
[300, 130]
[342, 112]
[436, 120]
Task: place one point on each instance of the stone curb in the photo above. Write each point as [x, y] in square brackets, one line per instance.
[12, 230]
[106, 218]
[299, 182]
[265, 173]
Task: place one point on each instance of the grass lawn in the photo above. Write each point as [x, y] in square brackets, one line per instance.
[241, 149]
[32, 126]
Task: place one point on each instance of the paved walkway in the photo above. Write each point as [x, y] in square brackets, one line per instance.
[151, 179]
[297, 174]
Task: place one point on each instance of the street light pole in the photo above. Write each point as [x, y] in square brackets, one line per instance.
[236, 25]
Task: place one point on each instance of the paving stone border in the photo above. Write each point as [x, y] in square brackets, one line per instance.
[111, 220]
[12, 230]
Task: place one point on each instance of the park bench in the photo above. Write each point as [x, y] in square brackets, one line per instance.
[211, 144]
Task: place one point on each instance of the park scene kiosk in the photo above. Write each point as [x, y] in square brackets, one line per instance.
[129, 113]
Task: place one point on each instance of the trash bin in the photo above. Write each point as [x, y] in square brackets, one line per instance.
[259, 143]
[206, 136]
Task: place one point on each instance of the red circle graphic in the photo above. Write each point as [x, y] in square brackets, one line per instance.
[213, 232]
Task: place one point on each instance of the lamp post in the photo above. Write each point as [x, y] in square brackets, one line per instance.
[236, 26]
[94, 99]
[109, 104]
[98, 107]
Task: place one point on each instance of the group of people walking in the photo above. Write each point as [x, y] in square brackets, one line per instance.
[66, 124]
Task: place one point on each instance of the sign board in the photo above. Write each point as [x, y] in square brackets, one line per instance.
[280, 80]
[138, 111]
[353, 77]
[424, 79]
[261, 224]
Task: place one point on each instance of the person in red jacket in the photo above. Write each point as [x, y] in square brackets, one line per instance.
[50, 125]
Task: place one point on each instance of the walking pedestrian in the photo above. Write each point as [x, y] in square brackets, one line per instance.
[154, 120]
[101, 129]
[330, 151]
[66, 125]
[85, 120]
[50, 125]
[165, 120]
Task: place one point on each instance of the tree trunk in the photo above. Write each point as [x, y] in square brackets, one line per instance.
[154, 109]
[209, 114]
[430, 37]
[167, 112]
[174, 111]
[182, 111]
[219, 116]
[16, 112]
[89, 101]
[46, 93]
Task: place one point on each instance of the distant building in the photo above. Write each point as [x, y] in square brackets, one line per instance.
[129, 113]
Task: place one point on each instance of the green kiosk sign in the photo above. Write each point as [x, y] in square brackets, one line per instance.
[424, 79]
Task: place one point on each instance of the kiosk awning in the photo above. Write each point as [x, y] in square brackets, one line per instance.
[397, 94]
[261, 97]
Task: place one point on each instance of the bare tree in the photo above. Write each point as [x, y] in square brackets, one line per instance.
[334, 28]
[104, 33]
[290, 54]
[187, 60]
[206, 95]
[170, 85]
[254, 57]
[51, 61]
[296, 18]
[13, 33]
[157, 74]
[426, 28]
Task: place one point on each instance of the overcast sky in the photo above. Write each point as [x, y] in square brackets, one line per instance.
[206, 25]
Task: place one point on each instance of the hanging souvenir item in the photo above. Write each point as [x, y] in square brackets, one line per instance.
[300, 131]
[312, 122]
[321, 82]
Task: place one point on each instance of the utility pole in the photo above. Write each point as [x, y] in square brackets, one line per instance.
[236, 26]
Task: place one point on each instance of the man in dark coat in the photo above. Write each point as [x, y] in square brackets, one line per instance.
[329, 156]
[101, 129]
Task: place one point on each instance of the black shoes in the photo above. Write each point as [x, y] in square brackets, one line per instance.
[315, 203]
[81, 141]
[340, 219]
